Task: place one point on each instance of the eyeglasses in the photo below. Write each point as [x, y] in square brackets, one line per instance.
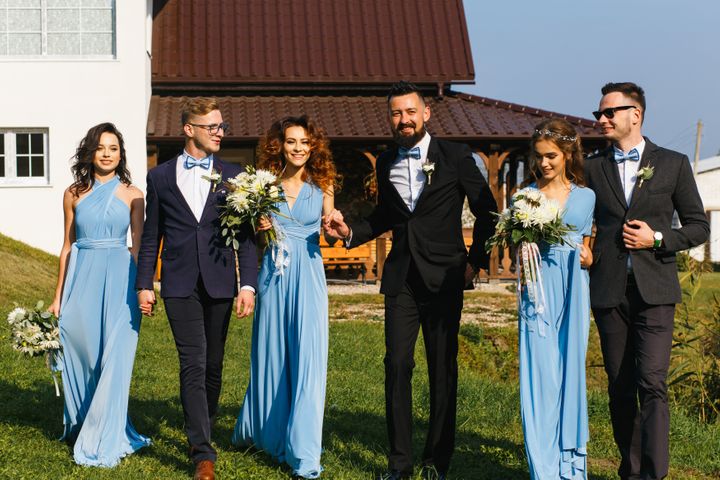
[610, 112]
[213, 128]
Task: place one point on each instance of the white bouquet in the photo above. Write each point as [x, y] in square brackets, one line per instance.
[35, 332]
[252, 195]
[532, 218]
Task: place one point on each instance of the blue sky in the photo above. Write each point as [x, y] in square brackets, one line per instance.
[557, 54]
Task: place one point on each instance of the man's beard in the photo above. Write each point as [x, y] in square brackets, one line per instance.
[408, 142]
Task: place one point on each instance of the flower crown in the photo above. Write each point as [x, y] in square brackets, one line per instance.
[548, 133]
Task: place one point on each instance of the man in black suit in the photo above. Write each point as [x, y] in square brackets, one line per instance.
[421, 187]
[198, 281]
[633, 281]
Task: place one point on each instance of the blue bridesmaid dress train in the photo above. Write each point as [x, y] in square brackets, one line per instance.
[552, 354]
[282, 413]
[99, 325]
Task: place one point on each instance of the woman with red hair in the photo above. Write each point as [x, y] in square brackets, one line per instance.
[282, 413]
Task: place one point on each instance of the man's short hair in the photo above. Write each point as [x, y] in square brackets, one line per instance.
[629, 89]
[404, 88]
[197, 107]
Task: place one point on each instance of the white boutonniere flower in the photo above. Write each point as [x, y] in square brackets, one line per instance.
[215, 178]
[645, 173]
[428, 169]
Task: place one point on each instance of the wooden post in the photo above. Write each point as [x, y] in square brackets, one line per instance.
[494, 164]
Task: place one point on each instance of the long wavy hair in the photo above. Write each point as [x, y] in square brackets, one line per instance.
[564, 136]
[319, 169]
[83, 168]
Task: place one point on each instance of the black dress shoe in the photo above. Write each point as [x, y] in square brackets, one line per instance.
[394, 475]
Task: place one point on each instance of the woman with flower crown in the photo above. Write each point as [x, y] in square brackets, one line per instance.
[95, 300]
[553, 328]
[282, 413]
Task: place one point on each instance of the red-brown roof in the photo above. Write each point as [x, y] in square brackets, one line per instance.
[254, 42]
[456, 116]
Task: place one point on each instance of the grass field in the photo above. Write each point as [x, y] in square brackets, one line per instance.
[489, 436]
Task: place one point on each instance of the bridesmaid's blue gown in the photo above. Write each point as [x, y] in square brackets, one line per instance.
[282, 413]
[99, 325]
[552, 355]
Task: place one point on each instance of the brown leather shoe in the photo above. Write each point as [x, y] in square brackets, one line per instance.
[205, 470]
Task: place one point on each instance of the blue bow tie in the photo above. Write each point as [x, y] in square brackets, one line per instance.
[412, 153]
[633, 155]
[191, 162]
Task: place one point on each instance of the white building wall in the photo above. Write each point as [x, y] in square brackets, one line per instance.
[708, 183]
[68, 97]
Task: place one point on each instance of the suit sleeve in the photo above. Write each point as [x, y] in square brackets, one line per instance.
[688, 204]
[150, 243]
[482, 204]
[247, 259]
[374, 225]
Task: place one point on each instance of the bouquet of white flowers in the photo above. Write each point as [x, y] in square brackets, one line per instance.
[252, 194]
[35, 332]
[532, 218]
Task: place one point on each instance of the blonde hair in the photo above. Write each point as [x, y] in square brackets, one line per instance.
[197, 107]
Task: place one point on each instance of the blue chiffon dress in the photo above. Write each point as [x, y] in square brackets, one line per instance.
[552, 354]
[99, 325]
[282, 413]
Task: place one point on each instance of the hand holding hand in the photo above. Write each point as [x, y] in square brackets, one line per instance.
[334, 225]
[586, 256]
[245, 303]
[146, 300]
[637, 235]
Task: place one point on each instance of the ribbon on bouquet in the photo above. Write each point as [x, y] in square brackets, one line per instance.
[530, 274]
[280, 252]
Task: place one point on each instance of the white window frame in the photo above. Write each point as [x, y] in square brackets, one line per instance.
[10, 157]
[6, 55]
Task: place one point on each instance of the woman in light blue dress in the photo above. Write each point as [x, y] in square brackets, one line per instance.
[282, 413]
[95, 301]
[553, 343]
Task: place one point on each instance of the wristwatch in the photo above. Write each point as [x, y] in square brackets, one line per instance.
[657, 239]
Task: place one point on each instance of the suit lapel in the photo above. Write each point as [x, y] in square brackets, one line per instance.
[647, 159]
[384, 177]
[171, 179]
[433, 156]
[609, 167]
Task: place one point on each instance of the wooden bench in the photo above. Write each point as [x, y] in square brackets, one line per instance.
[340, 258]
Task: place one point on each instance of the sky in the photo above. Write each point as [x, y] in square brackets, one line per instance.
[557, 54]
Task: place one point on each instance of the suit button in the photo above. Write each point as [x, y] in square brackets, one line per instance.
[198, 227]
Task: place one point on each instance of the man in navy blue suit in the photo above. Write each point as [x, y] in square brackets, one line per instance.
[198, 277]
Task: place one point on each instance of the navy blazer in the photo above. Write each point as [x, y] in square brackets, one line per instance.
[190, 248]
[432, 233]
[671, 188]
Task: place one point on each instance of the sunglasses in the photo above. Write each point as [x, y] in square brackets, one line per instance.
[610, 112]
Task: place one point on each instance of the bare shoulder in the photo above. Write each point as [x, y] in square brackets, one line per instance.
[133, 191]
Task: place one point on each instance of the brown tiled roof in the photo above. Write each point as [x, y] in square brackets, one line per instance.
[254, 42]
[361, 118]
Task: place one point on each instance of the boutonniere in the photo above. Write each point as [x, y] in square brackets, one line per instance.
[645, 173]
[428, 169]
[215, 178]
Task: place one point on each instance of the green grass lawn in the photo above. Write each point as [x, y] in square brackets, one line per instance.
[489, 435]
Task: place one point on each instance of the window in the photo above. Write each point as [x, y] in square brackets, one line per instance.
[57, 28]
[23, 157]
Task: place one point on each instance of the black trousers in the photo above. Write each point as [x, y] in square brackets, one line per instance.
[439, 316]
[636, 339]
[199, 325]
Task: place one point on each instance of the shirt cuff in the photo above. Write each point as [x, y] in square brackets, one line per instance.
[348, 239]
[248, 287]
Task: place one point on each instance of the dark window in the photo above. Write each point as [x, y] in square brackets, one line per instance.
[38, 167]
[36, 143]
[23, 144]
[23, 166]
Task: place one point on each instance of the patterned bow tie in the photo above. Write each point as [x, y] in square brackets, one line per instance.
[412, 153]
[191, 162]
[633, 155]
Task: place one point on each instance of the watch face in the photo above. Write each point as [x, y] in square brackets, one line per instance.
[658, 236]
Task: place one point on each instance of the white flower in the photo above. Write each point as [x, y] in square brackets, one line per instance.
[16, 315]
[274, 192]
[265, 177]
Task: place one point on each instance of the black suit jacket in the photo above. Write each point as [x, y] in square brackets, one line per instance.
[190, 248]
[672, 188]
[431, 234]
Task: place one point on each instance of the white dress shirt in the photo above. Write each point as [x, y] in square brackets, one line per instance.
[628, 177]
[194, 188]
[628, 171]
[407, 176]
